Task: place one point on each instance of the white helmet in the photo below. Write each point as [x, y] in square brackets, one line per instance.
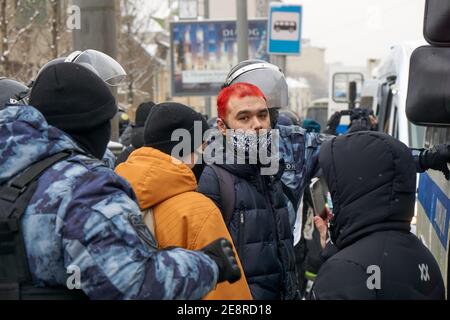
[108, 69]
[267, 77]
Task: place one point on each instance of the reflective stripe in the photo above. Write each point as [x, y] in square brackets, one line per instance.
[310, 276]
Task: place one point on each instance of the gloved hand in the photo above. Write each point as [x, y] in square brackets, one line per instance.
[333, 123]
[359, 125]
[436, 158]
[221, 251]
[362, 120]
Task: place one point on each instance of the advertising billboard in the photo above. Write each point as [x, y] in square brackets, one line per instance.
[203, 52]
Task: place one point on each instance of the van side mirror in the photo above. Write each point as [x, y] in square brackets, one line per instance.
[428, 100]
[437, 23]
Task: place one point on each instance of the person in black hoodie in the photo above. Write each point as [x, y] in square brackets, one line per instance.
[372, 180]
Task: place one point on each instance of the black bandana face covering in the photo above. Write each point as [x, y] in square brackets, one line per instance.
[249, 144]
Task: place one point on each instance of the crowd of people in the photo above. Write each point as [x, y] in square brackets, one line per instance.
[193, 212]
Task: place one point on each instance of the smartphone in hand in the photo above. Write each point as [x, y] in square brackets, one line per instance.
[319, 193]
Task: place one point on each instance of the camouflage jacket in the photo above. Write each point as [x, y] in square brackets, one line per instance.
[84, 215]
[300, 152]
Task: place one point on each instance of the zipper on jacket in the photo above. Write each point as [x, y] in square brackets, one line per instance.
[241, 232]
[271, 207]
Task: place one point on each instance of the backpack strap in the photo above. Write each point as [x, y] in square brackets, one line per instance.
[14, 199]
[18, 185]
[228, 196]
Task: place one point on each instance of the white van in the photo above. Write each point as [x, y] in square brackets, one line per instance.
[392, 75]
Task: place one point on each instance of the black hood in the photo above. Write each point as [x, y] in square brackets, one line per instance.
[372, 180]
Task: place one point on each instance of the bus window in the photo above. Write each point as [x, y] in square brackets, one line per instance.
[318, 114]
[341, 83]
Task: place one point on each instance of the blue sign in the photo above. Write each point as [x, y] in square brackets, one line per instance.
[285, 29]
[436, 205]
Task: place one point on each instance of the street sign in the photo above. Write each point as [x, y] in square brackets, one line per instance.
[284, 29]
[203, 52]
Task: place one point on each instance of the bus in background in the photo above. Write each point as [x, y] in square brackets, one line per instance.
[318, 111]
[340, 79]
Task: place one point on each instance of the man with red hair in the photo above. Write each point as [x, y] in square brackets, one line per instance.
[242, 106]
[253, 205]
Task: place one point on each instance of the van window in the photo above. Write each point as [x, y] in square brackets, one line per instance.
[416, 136]
[383, 110]
[387, 112]
[395, 124]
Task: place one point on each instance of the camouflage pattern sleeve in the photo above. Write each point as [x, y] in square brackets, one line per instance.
[109, 159]
[300, 152]
[313, 143]
[104, 236]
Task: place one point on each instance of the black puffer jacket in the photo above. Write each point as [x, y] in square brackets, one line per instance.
[260, 230]
[372, 179]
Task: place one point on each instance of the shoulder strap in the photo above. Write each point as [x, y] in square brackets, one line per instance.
[227, 193]
[14, 199]
[17, 186]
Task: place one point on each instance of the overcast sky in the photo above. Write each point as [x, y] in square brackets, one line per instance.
[354, 30]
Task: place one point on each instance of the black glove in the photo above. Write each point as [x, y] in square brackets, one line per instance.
[221, 251]
[436, 158]
[360, 125]
[360, 120]
[333, 123]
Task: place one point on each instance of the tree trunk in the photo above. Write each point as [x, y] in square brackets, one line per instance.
[4, 60]
[56, 22]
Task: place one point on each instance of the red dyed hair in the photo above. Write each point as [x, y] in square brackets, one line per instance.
[240, 90]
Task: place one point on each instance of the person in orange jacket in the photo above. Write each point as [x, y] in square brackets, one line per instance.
[166, 189]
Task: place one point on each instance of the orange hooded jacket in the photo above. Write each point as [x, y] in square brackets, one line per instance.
[182, 216]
